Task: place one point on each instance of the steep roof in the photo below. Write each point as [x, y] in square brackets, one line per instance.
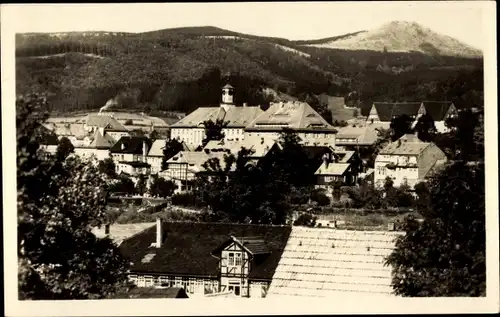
[157, 148]
[104, 121]
[132, 145]
[119, 232]
[292, 115]
[187, 246]
[408, 144]
[387, 110]
[102, 141]
[196, 118]
[331, 262]
[437, 109]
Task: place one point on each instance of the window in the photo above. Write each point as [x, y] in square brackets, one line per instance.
[238, 260]
[230, 261]
[141, 281]
[148, 281]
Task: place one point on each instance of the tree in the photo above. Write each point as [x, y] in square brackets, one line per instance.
[172, 147]
[400, 126]
[64, 149]
[161, 187]
[383, 138]
[140, 187]
[213, 130]
[463, 131]
[425, 128]
[444, 255]
[108, 167]
[123, 185]
[58, 204]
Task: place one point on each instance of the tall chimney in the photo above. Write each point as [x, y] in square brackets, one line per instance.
[144, 151]
[159, 235]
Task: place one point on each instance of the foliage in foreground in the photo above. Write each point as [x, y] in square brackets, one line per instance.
[445, 254]
[59, 201]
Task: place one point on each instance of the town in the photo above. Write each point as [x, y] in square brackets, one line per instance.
[160, 155]
[318, 251]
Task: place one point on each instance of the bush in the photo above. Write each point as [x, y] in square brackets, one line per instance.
[188, 199]
[320, 198]
[305, 220]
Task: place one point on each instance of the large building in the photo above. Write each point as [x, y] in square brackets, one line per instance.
[294, 116]
[407, 160]
[190, 129]
[205, 258]
[98, 148]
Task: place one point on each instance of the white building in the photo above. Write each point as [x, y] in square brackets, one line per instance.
[191, 130]
[98, 148]
[407, 160]
[295, 116]
[130, 155]
[155, 155]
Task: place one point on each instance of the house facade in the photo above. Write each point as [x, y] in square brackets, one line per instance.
[130, 155]
[190, 129]
[407, 160]
[155, 155]
[206, 258]
[440, 111]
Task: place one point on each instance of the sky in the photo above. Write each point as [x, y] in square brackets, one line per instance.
[295, 21]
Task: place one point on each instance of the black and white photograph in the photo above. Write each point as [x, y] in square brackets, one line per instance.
[250, 157]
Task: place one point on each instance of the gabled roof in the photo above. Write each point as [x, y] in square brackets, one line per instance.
[187, 246]
[157, 148]
[106, 122]
[197, 117]
[195, 160]
[292, 115]
[252, 245]
[336, 169]
[437, 109]
[132, 145]
[408, 144]
[332, 262]
[227, 86]
[102, 141]
[388, 110]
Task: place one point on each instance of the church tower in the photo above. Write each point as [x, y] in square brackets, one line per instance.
[227, 97]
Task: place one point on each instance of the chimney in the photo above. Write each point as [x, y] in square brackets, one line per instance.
[144, 151]
[107, 229]
[245, 104]
[123, 146]
[326, 160]
[261, 140]
[159, 235]
[391, 226]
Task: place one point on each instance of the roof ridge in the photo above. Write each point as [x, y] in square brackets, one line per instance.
[227, 223]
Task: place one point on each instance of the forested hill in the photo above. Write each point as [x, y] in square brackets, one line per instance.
[181, 69]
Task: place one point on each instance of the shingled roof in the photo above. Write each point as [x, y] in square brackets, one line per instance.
[132, 145]
[437, 109]
[187, 248]
[387, 110]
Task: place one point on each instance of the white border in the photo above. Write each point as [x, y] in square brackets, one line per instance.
[218, 306]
